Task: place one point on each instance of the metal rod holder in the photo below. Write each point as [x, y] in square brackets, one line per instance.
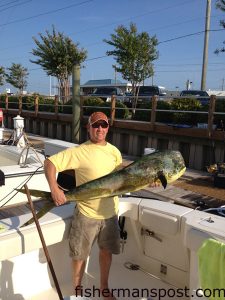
[43, 243]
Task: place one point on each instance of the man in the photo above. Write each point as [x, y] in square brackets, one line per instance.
[93, 219]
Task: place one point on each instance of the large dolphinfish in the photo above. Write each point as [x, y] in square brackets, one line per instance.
[160, 166]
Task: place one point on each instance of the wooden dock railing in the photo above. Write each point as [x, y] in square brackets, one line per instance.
[152, 116]
[199, 146]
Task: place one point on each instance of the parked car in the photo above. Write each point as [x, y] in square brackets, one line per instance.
[105, 93]
[145, 94]
[202, 96]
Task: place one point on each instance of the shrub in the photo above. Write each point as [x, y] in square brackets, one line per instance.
[46, 104]
[97, 104]
[13, 102]
[121, 113]
[169, 117]
[28, 102]
[186, 104]
[2, 100]
[92, 101]
[162, 116]
[93, 104]
[65, 108]
[145, 114]
[219, 119]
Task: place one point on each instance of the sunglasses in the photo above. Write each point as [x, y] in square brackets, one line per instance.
[98, 124]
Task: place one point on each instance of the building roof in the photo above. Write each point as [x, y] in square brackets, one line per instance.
[102, 82]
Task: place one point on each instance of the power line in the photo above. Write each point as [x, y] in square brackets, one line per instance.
[46, 13]
[3, 5]
[165, 65]
[104, 56]
[166, 41]
[158, 71]
[172, 39]
[105, 25]
[190, 34]
[7, 3]
[12, 6]
[181, 23]
[182, 36]
[95, 58]
[133, 17]
[181, 71]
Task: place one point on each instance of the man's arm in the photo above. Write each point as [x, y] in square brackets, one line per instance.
[57, 194]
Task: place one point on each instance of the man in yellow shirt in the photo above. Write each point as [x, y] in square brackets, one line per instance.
[93, 219]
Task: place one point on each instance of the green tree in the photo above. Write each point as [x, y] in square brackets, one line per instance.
[220, 4]
[134, 54]
[2, 75]
[57, 55]
[17, 76]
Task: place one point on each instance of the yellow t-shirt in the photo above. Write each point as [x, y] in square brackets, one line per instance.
[91, 161]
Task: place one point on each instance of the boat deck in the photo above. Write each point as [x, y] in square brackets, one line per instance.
[146, 287]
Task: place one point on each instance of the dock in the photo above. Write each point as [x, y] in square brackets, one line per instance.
[195, 189]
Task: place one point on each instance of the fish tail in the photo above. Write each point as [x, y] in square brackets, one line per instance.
[46, 208]
[36, 193]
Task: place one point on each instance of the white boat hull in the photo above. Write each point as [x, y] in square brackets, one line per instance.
[18, 170]
[162, 239]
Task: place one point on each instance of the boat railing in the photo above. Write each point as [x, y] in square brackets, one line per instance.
[24, 155]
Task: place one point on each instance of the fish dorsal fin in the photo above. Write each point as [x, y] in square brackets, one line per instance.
[162, 178]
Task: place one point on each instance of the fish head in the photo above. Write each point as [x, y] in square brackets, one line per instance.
[162, 166]
[174, 165]
[168, 166]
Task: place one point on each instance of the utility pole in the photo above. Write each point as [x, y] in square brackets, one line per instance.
[50, 85]
[206, 42]
[76, 104]
[114, 66]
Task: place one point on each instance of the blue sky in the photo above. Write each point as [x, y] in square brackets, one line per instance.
[88, 22]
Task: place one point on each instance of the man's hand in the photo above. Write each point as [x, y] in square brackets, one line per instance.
[58, 196]
[155, 184]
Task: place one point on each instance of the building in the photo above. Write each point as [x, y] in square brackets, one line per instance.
[91, 85]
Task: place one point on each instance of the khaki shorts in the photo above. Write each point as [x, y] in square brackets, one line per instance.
[84, 231]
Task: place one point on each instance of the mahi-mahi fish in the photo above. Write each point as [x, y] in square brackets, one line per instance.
[159, 166]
